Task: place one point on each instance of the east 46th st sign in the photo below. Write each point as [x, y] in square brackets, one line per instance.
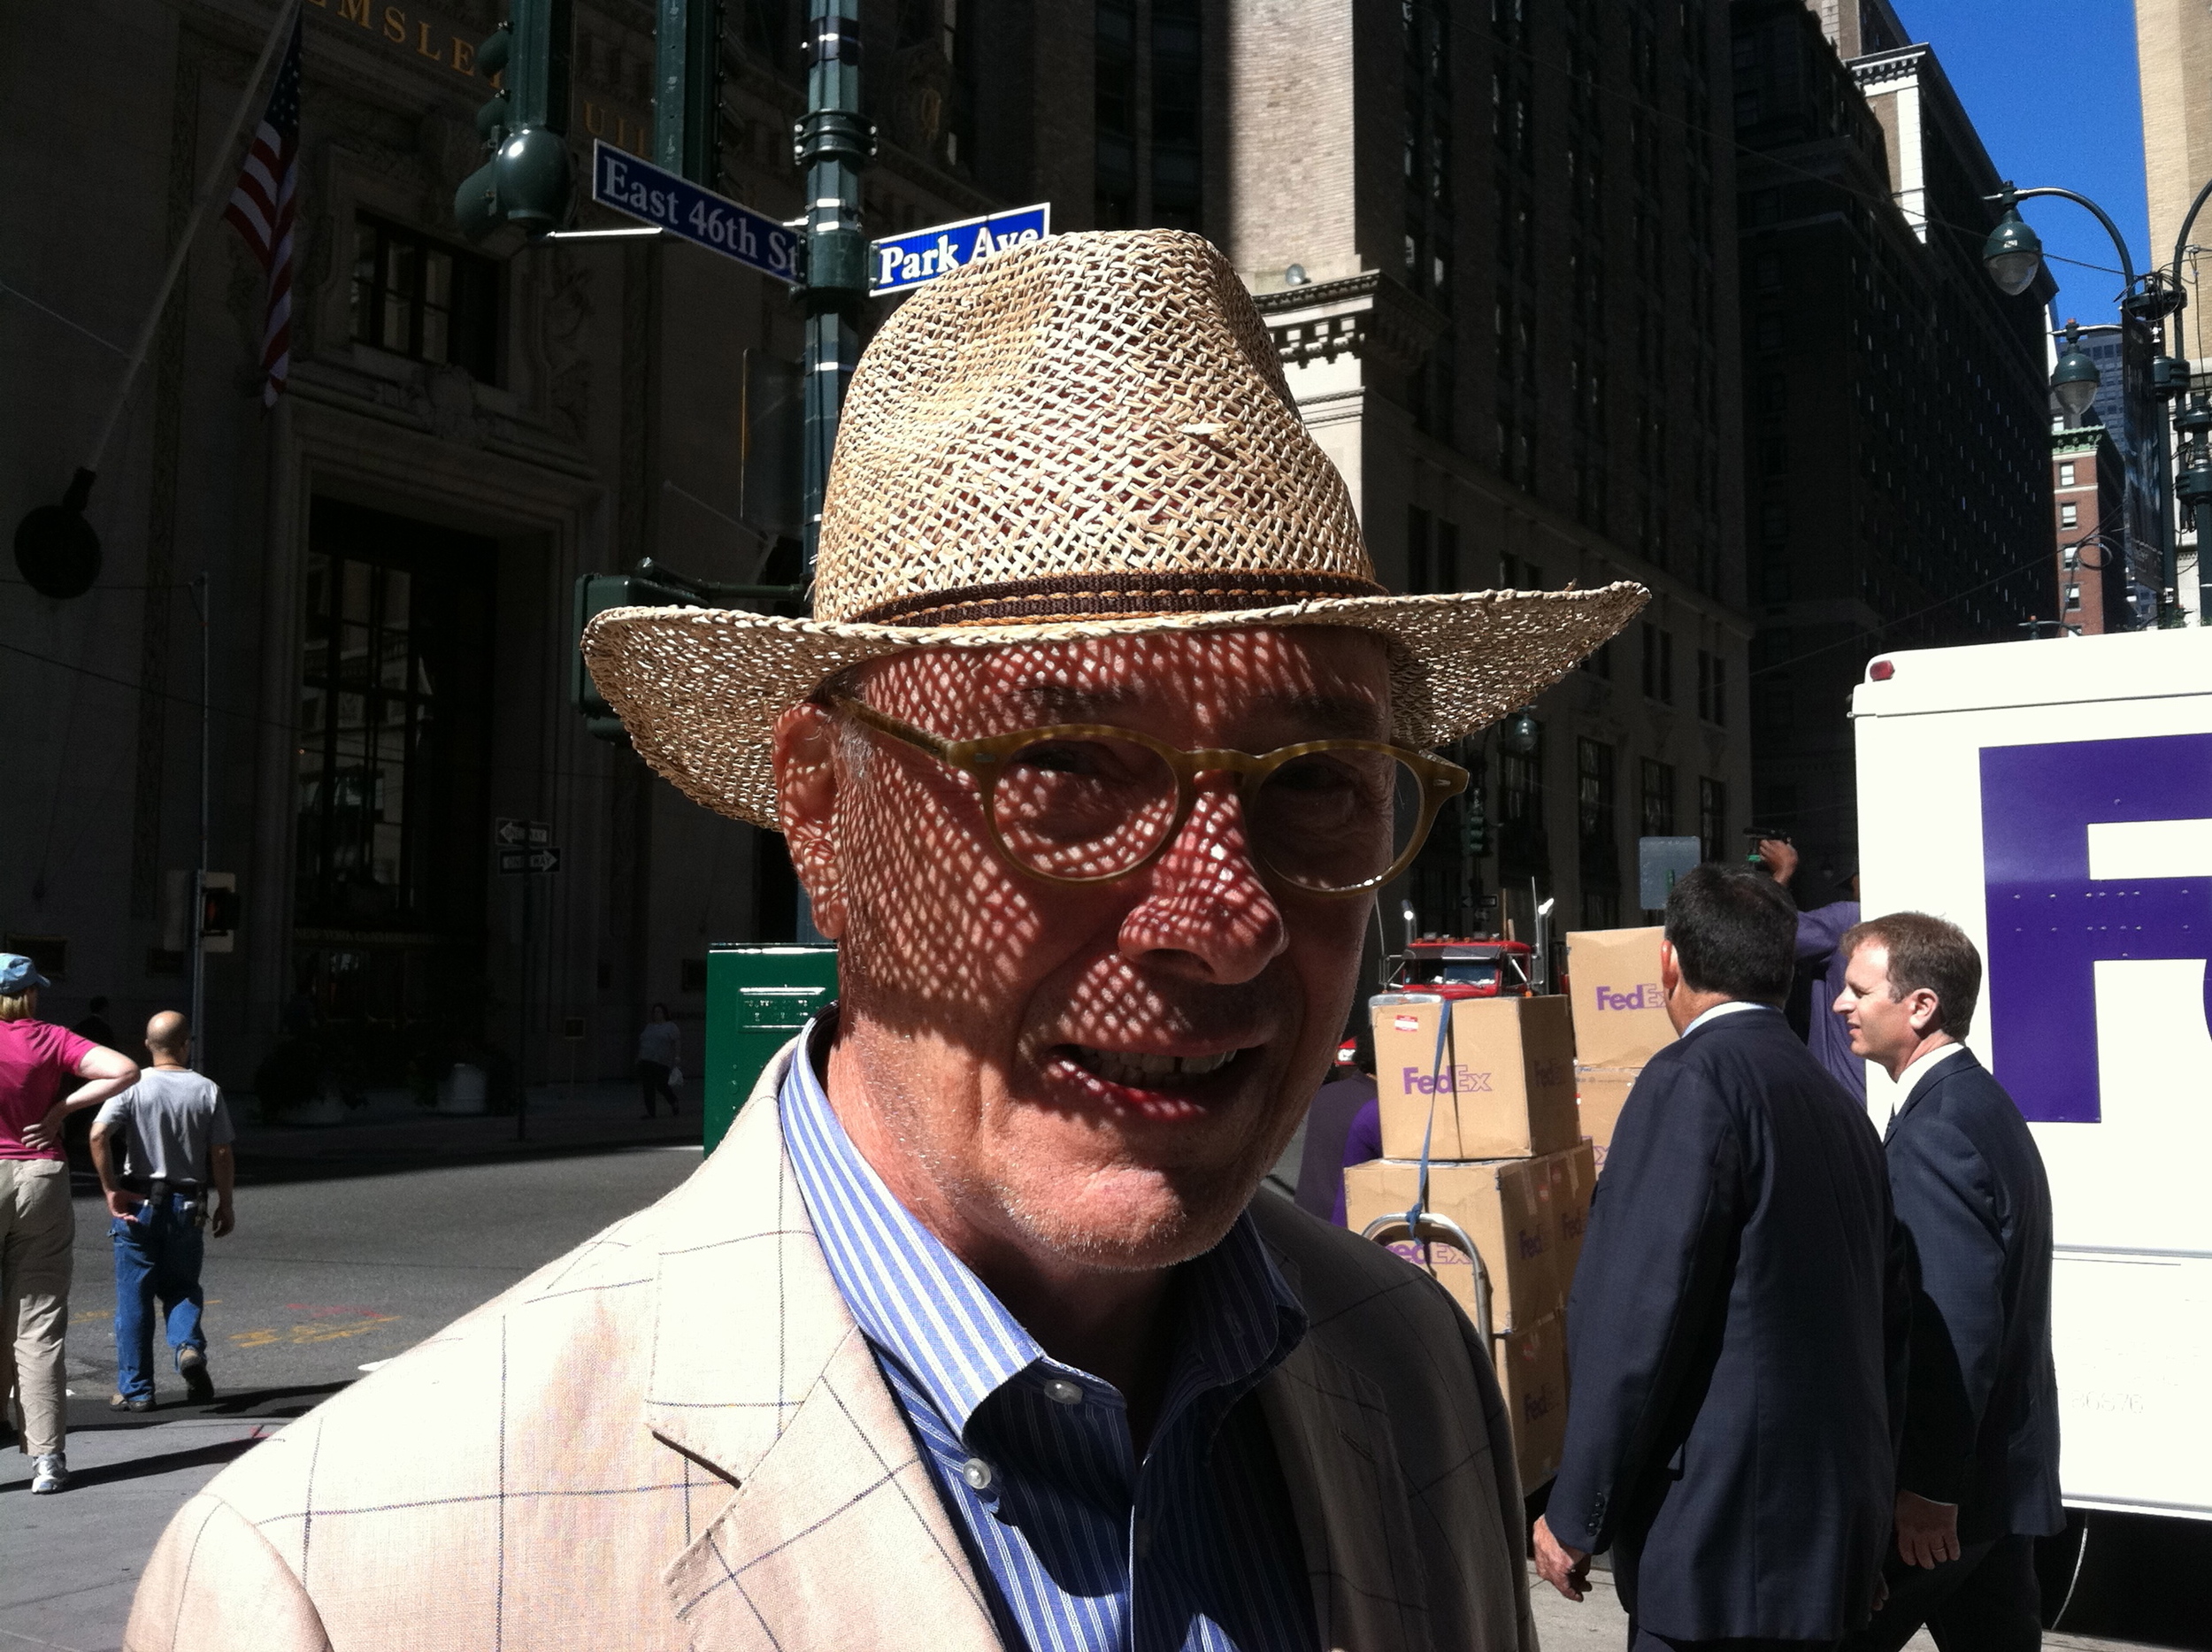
[645, 192]
[898, 262]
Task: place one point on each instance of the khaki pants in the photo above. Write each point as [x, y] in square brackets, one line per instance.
[37, 1228]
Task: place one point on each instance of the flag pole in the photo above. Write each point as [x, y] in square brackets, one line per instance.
[222, 164]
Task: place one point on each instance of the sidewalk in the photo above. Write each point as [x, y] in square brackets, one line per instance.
[392, 1130]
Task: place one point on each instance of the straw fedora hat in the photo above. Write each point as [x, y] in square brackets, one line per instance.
[1086, 437]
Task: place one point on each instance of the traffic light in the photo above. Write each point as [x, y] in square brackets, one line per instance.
[528, 181]
[1474, 824]
[688, 89]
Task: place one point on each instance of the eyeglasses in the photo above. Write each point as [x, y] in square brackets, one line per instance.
[1087, 803]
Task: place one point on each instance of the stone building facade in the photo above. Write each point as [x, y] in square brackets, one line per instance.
[2088, 516]
[1896, 438]
[1511, 324]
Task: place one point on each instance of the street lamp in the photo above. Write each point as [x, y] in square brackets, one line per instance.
[2074, 380]
[1518, 734]
[2013, 255]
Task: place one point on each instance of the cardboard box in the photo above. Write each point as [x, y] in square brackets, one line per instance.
[1533, 1371]
[1600, 1093]
[1506, 1207]
[1505, 1088]
[1620, 1019]
[1573, 1177]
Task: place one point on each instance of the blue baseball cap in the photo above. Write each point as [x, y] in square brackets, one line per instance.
[19, 975]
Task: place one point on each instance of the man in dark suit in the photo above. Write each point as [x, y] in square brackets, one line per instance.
[1736, 1330]
[1977, 1479]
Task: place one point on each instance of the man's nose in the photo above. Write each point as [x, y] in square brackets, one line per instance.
[1206, 913]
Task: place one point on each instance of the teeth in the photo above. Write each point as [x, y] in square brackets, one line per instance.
[1138, 1068]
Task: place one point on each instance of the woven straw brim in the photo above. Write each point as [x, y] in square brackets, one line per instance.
[700, 688]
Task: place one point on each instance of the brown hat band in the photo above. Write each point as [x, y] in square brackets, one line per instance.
[1111, 597]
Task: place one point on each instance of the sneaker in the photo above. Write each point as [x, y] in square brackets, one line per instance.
[125, 1403]
[49, 1474]
[192, 1366]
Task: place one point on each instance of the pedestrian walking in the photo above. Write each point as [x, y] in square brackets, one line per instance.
[37, 1225]
[1343, 1128]
[1098, 742]
[1819, 932]
[1978, 1480]
[172, 1134]
[660, 1059]
[1736, 1329]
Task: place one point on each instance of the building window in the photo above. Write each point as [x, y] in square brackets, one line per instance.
[392, 713]
[1177, 115]
[1114, 75]
[1712, 819]
[1658, 664]
[424, 301]
[1712, 688]
[1596, 831]
[2070, 514]
[2066, 474]
[2073, 596]
[1657, 813]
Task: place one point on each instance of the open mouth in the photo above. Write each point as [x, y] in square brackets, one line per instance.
[1138, 1071]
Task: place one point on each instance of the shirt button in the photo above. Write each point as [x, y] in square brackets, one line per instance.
[1063, 1392]
[977, 1473]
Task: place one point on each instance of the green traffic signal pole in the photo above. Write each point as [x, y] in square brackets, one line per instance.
[834, 142]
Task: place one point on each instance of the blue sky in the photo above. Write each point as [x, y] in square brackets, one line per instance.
[2051, 86]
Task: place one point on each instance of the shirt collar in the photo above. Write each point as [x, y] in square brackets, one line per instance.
[1919, 1067]
[922, 1306]
[1719, 1010]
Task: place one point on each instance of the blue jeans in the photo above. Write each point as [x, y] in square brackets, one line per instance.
[158, 1255]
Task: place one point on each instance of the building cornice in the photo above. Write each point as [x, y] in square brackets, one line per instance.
[1369, 316]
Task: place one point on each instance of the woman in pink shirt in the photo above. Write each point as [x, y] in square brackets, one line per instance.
[37, 1225]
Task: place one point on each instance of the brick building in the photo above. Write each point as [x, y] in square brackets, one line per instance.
[1895, 428]
[1495, 247]
[2088, 513]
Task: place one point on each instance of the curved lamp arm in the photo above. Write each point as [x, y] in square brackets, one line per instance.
[2181, 242]
[2127, 263]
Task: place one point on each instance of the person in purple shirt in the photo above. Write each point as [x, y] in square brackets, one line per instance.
[1343, 1128]
[1818, 932]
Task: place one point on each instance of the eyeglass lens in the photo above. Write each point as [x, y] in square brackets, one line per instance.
[1091, 808]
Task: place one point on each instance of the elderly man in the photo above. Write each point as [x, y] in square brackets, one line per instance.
[972, 1333]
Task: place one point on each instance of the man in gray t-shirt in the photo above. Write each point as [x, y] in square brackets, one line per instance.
[174, 1178]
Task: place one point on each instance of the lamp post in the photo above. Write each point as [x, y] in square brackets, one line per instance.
[2013, 256]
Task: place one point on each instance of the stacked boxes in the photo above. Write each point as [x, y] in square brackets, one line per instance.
[1620, 1020]
[1496, 1113]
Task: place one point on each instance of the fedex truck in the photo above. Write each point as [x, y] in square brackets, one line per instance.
[2054, 800]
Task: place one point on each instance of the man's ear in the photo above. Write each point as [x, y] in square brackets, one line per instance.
[1670, 967]
[1926, 1009]
[804, 750]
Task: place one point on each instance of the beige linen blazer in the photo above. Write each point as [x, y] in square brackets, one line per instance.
[675, 1437]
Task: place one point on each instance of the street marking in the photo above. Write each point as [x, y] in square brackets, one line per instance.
[314, 1331]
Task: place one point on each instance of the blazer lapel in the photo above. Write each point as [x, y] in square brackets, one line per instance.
[1928, 1086]
[836, 1536]
[1340, 1466]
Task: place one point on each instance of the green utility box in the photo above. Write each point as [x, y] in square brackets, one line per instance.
[758, 999]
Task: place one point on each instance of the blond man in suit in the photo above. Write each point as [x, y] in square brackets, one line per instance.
[973, 1331]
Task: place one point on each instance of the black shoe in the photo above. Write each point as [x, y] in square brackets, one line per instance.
[192, 1366]
[124, 1403]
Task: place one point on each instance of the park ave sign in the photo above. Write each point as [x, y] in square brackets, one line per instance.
[898, 262]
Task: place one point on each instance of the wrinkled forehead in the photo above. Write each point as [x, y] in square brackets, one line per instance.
[1230, 687]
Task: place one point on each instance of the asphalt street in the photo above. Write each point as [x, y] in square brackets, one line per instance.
[321, 1277]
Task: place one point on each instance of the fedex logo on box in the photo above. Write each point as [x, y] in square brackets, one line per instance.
[1416, 1082]
[1645, 995]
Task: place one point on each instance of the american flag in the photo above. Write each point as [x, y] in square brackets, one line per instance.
[262, 207]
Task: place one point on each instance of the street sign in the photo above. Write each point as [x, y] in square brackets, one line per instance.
[645, 192]
[509, 834]
[898, 262]
[514, 861]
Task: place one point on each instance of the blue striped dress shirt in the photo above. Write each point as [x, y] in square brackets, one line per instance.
[1081, 1548]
